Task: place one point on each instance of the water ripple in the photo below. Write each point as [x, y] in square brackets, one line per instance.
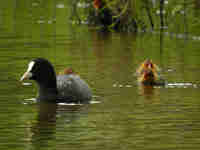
[181, 85]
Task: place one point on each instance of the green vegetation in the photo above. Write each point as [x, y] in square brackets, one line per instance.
[176, 16]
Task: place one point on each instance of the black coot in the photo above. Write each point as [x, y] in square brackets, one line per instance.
[62, 88]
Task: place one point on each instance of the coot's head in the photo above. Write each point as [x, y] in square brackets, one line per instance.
[41, 71]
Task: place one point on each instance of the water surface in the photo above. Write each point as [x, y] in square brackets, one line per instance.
[126, 115]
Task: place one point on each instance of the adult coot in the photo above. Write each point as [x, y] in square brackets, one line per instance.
[67, 87]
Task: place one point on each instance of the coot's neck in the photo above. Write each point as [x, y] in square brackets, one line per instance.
[47, 90]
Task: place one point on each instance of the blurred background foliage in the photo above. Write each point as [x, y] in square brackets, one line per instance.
[141, 15]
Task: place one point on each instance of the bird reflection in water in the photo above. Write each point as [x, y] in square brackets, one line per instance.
[43, 131]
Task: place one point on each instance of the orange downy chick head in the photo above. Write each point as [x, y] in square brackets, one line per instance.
[67, 71]
[148, 64]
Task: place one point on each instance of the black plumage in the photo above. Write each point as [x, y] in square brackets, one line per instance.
[61, 88]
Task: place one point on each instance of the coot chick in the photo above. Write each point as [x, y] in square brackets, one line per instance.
[149, 74]
[67, 87]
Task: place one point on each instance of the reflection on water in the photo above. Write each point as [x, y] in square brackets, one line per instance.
[181, 85]
[44, 128]
[51, 118]
[122, 115]
[147, 91]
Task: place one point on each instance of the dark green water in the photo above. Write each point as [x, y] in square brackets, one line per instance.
[126, 116]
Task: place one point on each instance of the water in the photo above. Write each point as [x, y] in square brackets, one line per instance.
[122, 115]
